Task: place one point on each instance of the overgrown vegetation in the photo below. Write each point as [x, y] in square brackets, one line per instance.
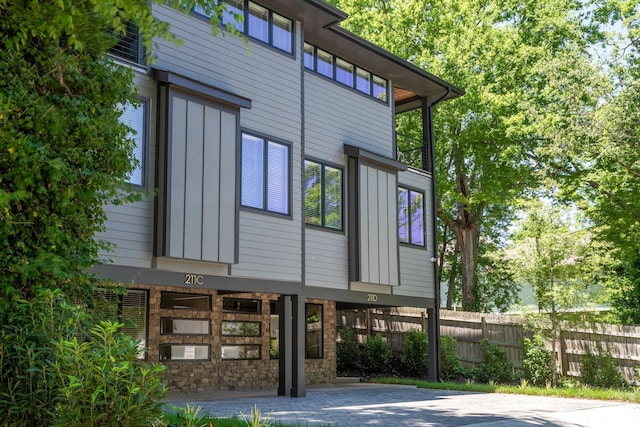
[377, 354]
[415, 355]
[537, 361]
[600, 369]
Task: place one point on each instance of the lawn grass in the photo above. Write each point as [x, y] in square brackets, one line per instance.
[578, 392]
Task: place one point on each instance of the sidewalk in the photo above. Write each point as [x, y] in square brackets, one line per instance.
[358, 405]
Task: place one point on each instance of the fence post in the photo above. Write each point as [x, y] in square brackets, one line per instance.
[564, 360]
[368, 321]
[423, 321]
[485, 330]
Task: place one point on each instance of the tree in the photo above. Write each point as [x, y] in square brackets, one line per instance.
[64, 155]
[555, 254]
[508, 56]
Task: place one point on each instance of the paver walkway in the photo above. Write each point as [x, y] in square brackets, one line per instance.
[361, 405]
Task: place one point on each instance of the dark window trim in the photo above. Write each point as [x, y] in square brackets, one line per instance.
[186, 308]
[265, 209]
[258, 301]
[379, 161]
[185, 318]
[259, 334]
[242, 345]
[175, 344]
[333, 78]
[322, 225]
[306, 305]
[424, 219]
[245, 27]
[140, 56]
[145, 103]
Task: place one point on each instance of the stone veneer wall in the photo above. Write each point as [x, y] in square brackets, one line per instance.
[218, 374]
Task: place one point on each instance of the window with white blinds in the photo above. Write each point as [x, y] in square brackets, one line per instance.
[134, 118]
[266, 172]
[130, 309]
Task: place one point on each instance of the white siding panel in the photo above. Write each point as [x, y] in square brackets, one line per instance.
[326, 256]
[177, 169]
[211, 178]
[383, 235]
[227, 191]
[193, 181]
[364, 226]
[392, 230]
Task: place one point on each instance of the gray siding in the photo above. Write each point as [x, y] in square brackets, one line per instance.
[326, 257]
[336, 115]
[129, 227]
[378, 226]
[201, 154]
[416, 268]
[269, 246]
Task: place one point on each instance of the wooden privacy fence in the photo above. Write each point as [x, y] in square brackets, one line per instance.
[507, 331]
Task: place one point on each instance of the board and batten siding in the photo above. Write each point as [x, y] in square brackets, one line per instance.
[129, 226]
[200, 211]
[416, 268]
[269, 246]
[378, 226]
[336, 115]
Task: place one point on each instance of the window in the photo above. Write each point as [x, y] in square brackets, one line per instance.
[135, 118]
[265, 176]
[313, 331]
[411, 217]
[262, 23]
[184, 352]
[274, 331]
[241, 329]
[344, 72]
[175, 300]
[240, 305]
[170, 326]
[128, 46]
[323, 195]
[241, 351]
[129, 308]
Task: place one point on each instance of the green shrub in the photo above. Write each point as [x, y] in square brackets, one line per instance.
[601, 370]
[450, 361]
[537, 361]
[415, 353]
[29, 383]
[496, 366]
[104, 382]
[348, 353]
[377, 354]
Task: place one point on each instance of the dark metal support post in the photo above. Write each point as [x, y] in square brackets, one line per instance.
[285, 345]
[298, 388]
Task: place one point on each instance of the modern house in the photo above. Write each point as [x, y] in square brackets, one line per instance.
[276, 195]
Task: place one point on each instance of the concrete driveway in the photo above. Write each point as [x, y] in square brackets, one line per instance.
[359, 405]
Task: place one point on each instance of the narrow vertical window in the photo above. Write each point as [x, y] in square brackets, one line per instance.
[324, 63]
[363, 81]
[282, 33]
[344, 72]
[234, 14]
[308, 56]
[134, 118]
[265, 181]
[323, 195]
[411, 217]
[379, 88]
[314, 331]
[258, 25]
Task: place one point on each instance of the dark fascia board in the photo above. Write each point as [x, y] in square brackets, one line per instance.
[348, 299]
[313, 13]
[218, 94]
[353, 151]
[405, 74]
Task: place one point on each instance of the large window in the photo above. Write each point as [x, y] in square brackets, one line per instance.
[265, 182]
[178, 300]
[323, 195]
[257, 22]
[344, 72]
[135, 118]
[185, 352]
[129, 308]
[411, 216]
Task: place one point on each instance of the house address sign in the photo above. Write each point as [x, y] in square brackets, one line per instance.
[372, 297]
[193, 279]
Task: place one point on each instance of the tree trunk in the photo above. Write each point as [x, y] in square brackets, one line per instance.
[468, 239]
[453, 274]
